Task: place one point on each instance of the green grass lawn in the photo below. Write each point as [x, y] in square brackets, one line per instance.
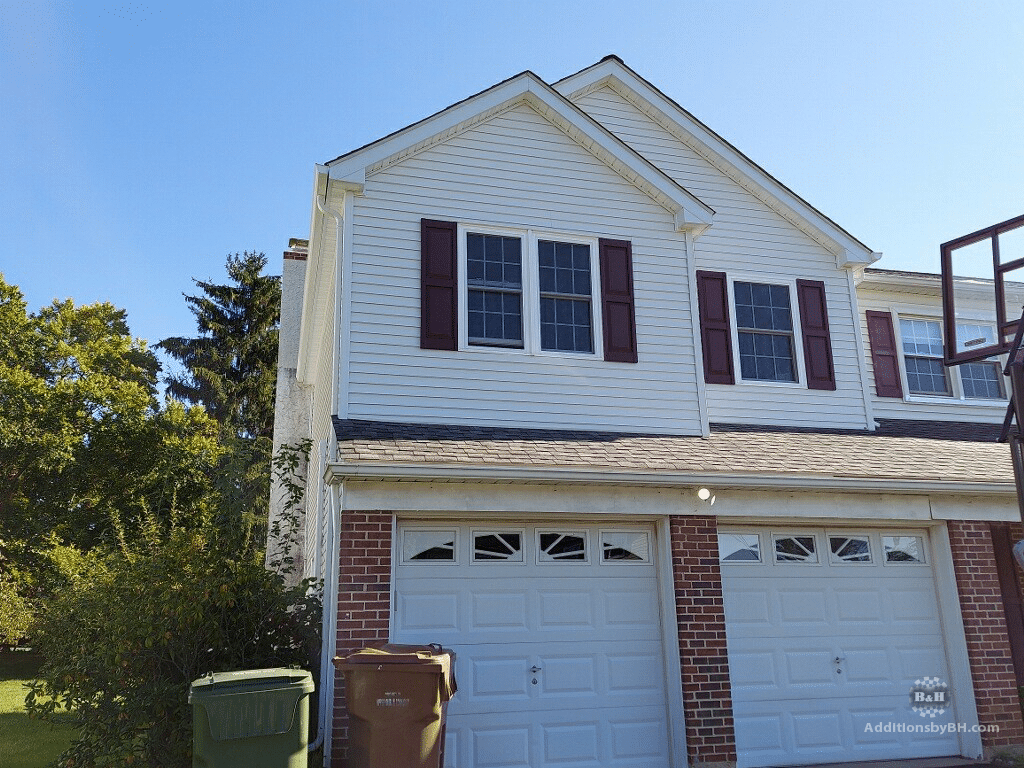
[25, 743]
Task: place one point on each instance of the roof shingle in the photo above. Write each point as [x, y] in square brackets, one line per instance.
[899, 450]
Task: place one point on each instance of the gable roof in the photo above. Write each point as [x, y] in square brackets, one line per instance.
[902, 456]
[613, 72]
[689, 213]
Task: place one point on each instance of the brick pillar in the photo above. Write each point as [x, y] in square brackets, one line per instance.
[988, 646]
[700, 616]
[364, 601]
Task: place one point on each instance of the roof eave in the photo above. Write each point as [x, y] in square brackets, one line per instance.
[690, 214]
[849, 251]
[592, 476]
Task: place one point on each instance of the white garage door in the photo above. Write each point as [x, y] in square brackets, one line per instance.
[828, 631]
[558, 637]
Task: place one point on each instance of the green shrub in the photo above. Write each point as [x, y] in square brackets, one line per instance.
[15, 613]
[124, 641]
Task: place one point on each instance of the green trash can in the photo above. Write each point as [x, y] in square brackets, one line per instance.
[257, 718]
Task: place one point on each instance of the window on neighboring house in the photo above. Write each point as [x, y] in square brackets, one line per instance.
[983, 379]
[764, 329]
[922, 357]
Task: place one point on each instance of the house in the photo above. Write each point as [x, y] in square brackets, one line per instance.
[645, 437]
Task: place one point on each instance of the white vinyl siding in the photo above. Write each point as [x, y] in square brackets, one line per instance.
[749, 237]
[515, 171]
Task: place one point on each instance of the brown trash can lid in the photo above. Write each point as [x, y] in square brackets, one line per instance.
[420, 655]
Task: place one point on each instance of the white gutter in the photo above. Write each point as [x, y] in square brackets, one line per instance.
[395, 471]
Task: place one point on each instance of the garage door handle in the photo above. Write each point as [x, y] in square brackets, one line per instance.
[535, 670]
[839, 659]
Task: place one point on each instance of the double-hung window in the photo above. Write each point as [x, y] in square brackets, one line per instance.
[779, 332]
[922, 357]
[494, 279]
[531, 292]
[921, 341]
[983, 379]
[566, 319]
[764, 330]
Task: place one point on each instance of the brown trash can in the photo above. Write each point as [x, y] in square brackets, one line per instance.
[397, 697]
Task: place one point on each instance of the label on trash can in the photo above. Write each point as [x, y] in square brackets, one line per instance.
[392, 699]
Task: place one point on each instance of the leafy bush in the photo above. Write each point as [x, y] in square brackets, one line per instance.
[15, 613]
[125, 640]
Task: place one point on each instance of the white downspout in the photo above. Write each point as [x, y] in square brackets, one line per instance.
[328, 636]
[329, 611]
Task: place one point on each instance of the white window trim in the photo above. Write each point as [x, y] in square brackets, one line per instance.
[955, 385]
[531, 291]
[798, 338]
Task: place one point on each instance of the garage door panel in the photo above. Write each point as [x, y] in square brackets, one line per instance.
[546, 740]
[813, 732]
[819, 650]
[592, 630]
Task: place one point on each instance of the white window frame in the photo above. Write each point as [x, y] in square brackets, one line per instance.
[798, 338]
[531, 291]
[956, 393]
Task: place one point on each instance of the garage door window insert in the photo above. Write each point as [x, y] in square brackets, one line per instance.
[849, 549]
[556, 546]
[795, 549]
[491, 546]
[739, 548]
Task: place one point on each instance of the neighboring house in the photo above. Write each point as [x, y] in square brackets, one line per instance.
[526, 331]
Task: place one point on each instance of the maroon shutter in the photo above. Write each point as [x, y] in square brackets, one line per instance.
[439, 304]
[617, 312]
[821, 373]
[715, 331]
[883, 354]
[1009, 587]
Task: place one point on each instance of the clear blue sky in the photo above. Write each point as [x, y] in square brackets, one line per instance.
[142, 142]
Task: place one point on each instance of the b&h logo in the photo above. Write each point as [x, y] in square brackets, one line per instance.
[930, 697]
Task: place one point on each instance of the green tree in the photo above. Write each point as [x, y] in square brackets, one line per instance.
[87, 453]
[85, 446]
[230, 368]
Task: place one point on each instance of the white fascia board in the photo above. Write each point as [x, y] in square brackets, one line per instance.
[847, 249]
[689, 213]
[314, 263]
[459, 472]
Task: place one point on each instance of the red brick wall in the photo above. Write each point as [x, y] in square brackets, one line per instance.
[364, 600]
[700, 616]
[988, 648]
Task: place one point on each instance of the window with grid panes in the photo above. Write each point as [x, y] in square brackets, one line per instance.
[922, 356]
[983, 379]
[494, 274]
[764, 329]
[565, 291]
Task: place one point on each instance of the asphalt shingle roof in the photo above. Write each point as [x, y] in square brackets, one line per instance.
[898, 450]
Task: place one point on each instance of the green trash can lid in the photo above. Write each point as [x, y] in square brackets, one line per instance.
[252, 680]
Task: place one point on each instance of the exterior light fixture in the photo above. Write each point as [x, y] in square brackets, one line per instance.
[704, 494]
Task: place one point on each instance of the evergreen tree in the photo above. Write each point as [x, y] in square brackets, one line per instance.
[230, 368]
